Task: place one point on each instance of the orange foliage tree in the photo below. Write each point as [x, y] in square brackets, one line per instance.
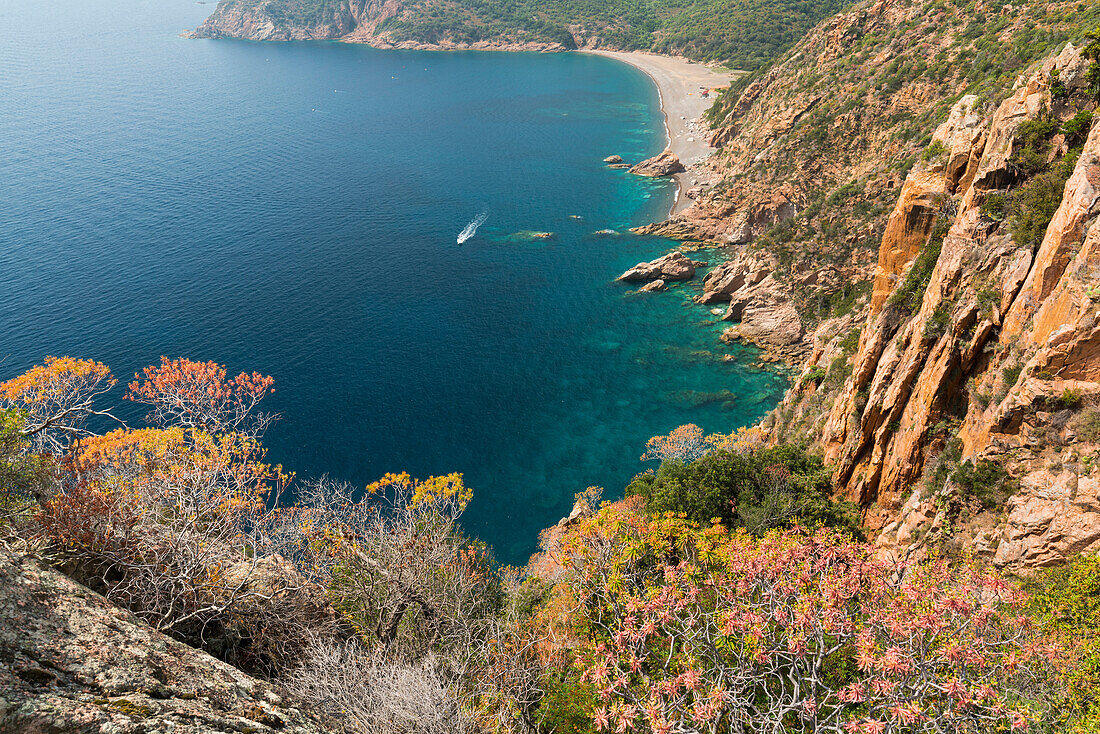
[160, 519]
[199, 395]
[56, 399]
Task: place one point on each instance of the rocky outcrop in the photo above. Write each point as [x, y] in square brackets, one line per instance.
[999, 358]
[664, 164]
[70, 661]
[612, 159]
[719, 220]
[907, 231]
[758, 303]
[654, 286]
[673, 266]
[268, 22]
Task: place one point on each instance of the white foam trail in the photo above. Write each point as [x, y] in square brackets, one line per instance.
[471, 229]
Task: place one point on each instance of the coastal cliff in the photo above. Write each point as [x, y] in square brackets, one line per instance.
[746, 36]
[956, 398]
[813, 151]
[354, 21]
[993, 366]
[912, 232]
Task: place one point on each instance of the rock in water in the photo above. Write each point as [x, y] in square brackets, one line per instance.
[654, 286]
[613, 159]
[673, 266]
[665, 164]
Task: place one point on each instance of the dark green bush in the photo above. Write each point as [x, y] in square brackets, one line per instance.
[769, 488]
[815, 375]
[1034, 139]
[1057, 86]
[567, 704]
[1077, 128]
[988, 481]
[1033, 206]
[936, 326]
[1069, 399]
[995, 206]
[934, 152]
[22, 473]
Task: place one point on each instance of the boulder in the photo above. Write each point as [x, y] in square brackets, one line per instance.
[654, 286]
[665, 164]
[613, 159]
[673, 266]
[70, 661]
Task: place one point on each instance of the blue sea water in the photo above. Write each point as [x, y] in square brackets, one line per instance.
[293, 209]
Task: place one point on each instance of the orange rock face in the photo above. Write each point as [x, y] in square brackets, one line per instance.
[1001, 359]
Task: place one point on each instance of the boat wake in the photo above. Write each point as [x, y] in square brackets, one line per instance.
[471, 229]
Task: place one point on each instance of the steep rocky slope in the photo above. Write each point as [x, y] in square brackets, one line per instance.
[814, 150]
[72, 662]
[968, 414]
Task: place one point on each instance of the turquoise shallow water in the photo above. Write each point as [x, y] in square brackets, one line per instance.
[293, 209]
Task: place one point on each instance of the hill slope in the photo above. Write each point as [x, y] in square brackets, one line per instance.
[743, 33]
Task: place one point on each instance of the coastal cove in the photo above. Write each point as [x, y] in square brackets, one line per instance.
[293, 209]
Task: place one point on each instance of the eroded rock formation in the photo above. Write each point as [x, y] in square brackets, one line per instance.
[998, 359]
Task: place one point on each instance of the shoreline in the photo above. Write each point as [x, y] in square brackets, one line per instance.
[678, 83]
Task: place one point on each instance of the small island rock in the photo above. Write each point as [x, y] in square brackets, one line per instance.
[613, 159]
[654, 286]
[673, 266]
[665, 164]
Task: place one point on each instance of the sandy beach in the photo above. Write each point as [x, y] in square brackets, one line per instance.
[680, 83]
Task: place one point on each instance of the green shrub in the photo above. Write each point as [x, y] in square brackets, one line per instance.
[1034, 139]
[567, 704]
[988, 481]
[815, 375]
[1033, 206]
[1091, 51]
[934, 152]
[995, 206]
[937, 323]
[1057, 86]
[988, 297]
[1069, 399]
[765, 489]
[22, 472]
[850, 343]
[1077, 128]
[1010, 374]
[1066, 600]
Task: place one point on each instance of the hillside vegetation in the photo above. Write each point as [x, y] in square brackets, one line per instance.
[744, 34]
[375, 613]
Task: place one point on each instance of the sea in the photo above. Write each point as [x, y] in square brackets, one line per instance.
[295, 209]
